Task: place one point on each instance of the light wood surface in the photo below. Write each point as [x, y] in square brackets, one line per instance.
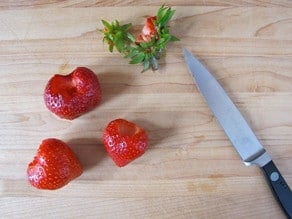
[190, 170]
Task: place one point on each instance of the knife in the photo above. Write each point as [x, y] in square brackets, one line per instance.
[238, 131]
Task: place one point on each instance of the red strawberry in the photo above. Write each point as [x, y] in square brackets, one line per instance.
[124, 141]
[54, 166]
[70, 96]
[148, 30]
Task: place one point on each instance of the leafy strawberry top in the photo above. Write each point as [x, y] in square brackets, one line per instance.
[148, 46]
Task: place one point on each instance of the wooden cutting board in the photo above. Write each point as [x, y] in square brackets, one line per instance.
[190, 170]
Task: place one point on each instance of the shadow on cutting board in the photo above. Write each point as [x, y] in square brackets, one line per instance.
[114, 84]
[156, 132]
[88, 151]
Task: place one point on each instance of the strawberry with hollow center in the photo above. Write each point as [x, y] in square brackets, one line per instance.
[54, 165]
[124, 141]
[70, 96]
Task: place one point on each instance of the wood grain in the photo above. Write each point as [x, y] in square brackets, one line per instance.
[102, 3]
[190, 170]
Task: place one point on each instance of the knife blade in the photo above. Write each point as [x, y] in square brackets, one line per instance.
[238, 131]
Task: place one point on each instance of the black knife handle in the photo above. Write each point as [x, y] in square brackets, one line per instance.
[279, 187]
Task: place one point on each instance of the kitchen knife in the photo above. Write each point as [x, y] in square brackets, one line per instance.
[239, 133]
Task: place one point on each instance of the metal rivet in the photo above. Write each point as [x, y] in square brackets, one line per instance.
[274, 176]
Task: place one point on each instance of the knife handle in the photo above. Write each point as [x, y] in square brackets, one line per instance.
[279, 187]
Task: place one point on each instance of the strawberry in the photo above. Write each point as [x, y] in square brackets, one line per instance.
[148, 31]
[54, 166]
[69, 96]
[124, 141]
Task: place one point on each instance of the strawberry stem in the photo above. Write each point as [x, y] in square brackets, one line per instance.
[148, 47]
[154, 63]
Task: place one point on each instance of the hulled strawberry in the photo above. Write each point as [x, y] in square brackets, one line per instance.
[69, 96]
[148, 31]
[54, 165]
[124, 141]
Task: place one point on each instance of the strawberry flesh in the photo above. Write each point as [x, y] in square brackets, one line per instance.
[69, 96]
[148, 31]
[124, 141]
[54, 166]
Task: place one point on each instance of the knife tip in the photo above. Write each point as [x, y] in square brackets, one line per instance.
[186, 52]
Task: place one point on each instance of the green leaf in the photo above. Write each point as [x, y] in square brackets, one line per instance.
[144, 45]
[149, 44]
[126, 27]
[110, 37]
[107, 25]
[146, 65]
[138, 58]
[116, 23]
[173, 38]
[164, 15]
[161, 40]
[111, 47]
[131, 37]
[161, 13]
[117, 41]
[119, 46]
[132, 52]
